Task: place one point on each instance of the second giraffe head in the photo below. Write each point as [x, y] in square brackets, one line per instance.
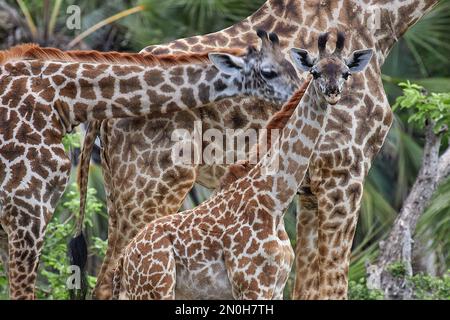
[264, 73]
[330, 71]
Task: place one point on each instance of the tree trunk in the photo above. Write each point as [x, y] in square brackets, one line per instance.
[394, 265]
[423, 259]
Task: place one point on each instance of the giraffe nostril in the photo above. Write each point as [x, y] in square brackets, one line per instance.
[333, 90]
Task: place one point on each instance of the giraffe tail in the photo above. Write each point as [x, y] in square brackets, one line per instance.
[78, 257]
[117, 279]
[77, 246]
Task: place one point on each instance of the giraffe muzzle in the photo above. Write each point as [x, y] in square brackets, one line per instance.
[333, 98]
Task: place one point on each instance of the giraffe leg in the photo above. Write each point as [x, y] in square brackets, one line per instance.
[338, 215]
[286, 265]
[102, 288]
[306, 254]
[123, 225]
[26, 209]
[25, 240]
[4, 249]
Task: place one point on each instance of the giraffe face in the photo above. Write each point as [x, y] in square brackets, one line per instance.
[264, 73]
[270, 77]
[330, 72]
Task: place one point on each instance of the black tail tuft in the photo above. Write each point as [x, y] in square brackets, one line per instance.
[78, 257]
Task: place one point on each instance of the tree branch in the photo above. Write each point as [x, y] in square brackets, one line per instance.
[425, 184]
[14, 15]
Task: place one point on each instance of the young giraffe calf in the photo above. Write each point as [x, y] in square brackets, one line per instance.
[45, 93]
[235, 244]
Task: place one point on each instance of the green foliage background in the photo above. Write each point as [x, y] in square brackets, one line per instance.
[421, 56]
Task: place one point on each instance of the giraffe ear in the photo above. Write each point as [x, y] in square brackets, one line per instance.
[359, 60]
[302, 59]
[227, 63]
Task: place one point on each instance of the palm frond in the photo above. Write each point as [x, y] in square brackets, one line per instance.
[103, 23]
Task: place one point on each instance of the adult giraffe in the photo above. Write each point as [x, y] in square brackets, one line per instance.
[235, 244]
[332, 191]
[46, 92]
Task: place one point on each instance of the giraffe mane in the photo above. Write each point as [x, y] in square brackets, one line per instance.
[35, 52]
[277, 121]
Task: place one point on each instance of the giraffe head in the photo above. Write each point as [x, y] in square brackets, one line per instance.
[330, 71]
[263, 73]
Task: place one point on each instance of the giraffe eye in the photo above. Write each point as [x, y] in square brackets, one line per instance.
[345, 75]
[269, 74]
[315, 74]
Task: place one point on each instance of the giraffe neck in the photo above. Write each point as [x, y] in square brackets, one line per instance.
[377, 23]
[294, 149]
[88, 91]
[394, 18]
[367, 23]
[402, 13]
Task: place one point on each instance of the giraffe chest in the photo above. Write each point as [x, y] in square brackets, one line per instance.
[352, 137]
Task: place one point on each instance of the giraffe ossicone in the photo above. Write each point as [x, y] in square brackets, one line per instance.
[234, 245]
